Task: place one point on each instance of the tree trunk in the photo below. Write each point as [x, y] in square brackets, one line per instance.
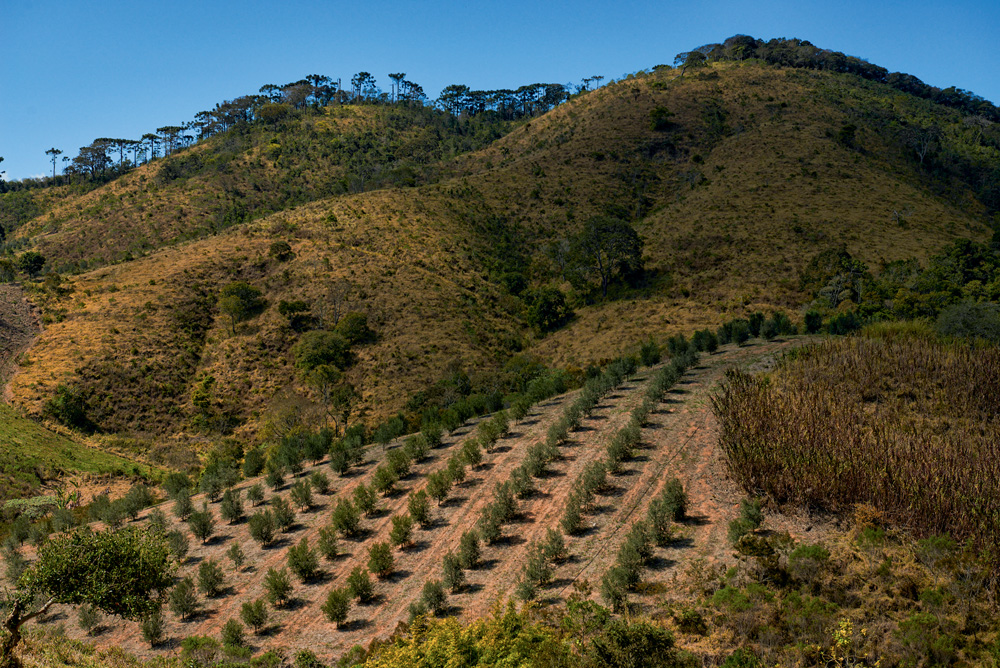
[12, 631]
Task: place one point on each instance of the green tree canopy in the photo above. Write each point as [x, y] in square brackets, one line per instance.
[240, 301]
[607, 247]
[321, 347]
[125, 572]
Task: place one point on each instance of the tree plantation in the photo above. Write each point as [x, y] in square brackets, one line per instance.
[693, 367]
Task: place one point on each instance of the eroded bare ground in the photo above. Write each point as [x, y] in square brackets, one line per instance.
[19, 326]
[680, 441]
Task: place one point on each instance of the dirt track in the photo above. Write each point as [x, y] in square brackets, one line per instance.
[680, 441]
[19, 326]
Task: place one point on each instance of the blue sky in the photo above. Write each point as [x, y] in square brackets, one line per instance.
[72, 71]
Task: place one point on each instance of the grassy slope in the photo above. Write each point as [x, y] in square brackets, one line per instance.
[31, 455]
[771, 188]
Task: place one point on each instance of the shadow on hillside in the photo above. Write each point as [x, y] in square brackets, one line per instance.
[486, 564]
[417, 547]
[680, 543]
[510, 540]
[397, 576]
[694, 520]
[355, 625]
[558, 584]
[659, 563]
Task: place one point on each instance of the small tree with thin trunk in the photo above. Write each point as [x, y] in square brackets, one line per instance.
[468, 550]
[236, 555]
[380, 559]
[360, 585]
[327, 543]
[202, 524]
[453, 574]
[401, 534]
[210, 578]
[302, 560]
[337, 605]
[278, 586]
[254, 614]
[184, 599]
[255, 494]
[420, 508]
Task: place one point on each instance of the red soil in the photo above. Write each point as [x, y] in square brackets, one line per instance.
[680, 441]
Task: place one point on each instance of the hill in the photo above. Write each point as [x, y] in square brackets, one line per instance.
[734, 175]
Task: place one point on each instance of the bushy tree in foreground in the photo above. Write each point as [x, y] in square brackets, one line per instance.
[125, 573]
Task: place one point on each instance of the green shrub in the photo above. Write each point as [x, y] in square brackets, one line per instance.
[284, 516]
[380, 559]
[263, 527]
[327, 543]
[419, 508]
[210, 578]
[255, 494]
[236, 555]
[346, 518]
[231, 507]
[278, 587]
[452, 573]
[183, 599]
[337, 605]
[433, 596]
[254, 614]
[183, 506]
[178, 544]
[302, 560]
[971, 320]
[468, 550]
[401, 533]
[366, 499]
[233, 634]
[360, 585]
[89, 618]
[199, 651]
[301, 494]
[202, 524]
[152, 628]
[319, 482]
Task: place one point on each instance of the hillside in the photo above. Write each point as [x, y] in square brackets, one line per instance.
[752, 170]
[679, 440]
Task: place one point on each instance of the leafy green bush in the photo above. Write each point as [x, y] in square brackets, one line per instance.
[971, 320]
[232, 634]
[380, 559]
[210, 578]
[278, 586]
[302, 560]
[337, 605]
[254, 614]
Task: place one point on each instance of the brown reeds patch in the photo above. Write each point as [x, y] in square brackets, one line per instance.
[901, 423]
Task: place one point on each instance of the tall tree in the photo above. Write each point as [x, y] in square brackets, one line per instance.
[608, 246]
[53, 154]
[397, 80]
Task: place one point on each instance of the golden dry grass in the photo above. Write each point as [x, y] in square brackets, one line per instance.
[768, 194]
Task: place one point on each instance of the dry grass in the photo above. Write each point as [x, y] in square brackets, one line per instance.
[770, 193]
[889, 419]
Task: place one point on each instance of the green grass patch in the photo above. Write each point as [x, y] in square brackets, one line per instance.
[31, 454]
